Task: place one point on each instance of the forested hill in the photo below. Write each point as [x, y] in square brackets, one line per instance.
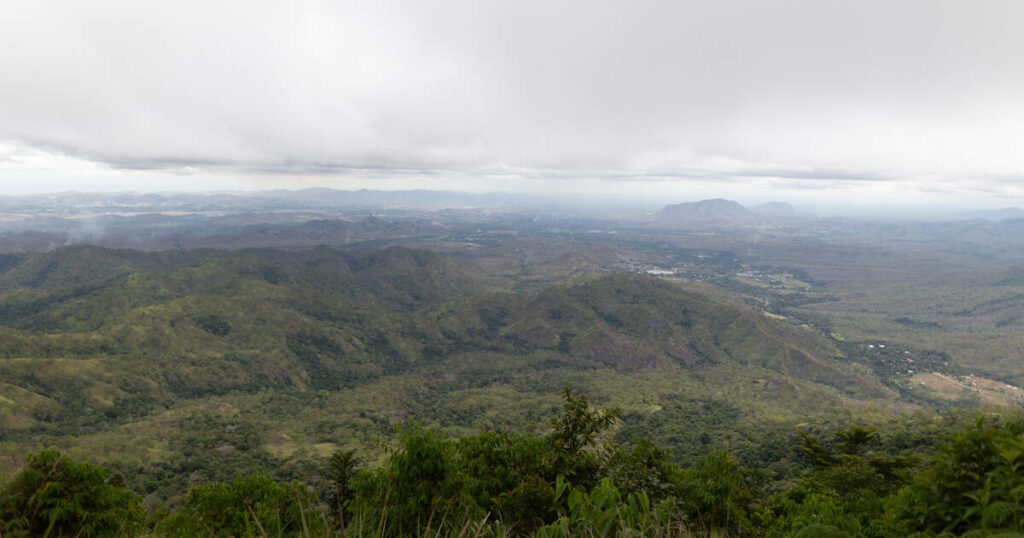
[126, 332]
[194, 368]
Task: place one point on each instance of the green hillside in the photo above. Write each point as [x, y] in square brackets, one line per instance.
[147, 358]
[190, 373]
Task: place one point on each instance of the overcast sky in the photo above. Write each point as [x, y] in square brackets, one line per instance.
[922, 100]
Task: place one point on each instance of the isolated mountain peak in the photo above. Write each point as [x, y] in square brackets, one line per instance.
[775, 209]
[717, 211]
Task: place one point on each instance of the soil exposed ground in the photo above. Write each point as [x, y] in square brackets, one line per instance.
[989, 391]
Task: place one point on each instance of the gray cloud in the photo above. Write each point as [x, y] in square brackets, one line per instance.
[922, 90]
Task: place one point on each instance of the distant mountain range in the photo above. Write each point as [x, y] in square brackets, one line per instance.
[996, 214]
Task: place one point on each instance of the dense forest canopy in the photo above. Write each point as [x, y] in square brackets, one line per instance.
[576, 480]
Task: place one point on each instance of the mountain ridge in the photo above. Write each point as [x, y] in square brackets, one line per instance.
[331, 319]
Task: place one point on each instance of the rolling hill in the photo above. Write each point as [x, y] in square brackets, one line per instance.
[355, 340]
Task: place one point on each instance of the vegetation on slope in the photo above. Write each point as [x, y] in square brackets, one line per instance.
[328, 320]
[213, 379]
[573, 481]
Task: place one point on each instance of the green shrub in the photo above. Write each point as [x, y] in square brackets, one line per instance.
[974, 483]
[55, 496]
[253, 505]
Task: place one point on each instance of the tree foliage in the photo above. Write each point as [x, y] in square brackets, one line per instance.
[252, 505]
[574, 481]
[54, 496]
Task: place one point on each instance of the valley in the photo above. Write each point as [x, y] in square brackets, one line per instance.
[194, 357]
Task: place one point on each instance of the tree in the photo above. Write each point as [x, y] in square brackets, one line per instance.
[421, 486]
[578, 426]
[575, 430]
[974, 483]
[253, 505]
[55, 496]
[844, 492]
[341, 467]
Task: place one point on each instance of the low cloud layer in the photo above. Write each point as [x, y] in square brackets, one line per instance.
[926, 92]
